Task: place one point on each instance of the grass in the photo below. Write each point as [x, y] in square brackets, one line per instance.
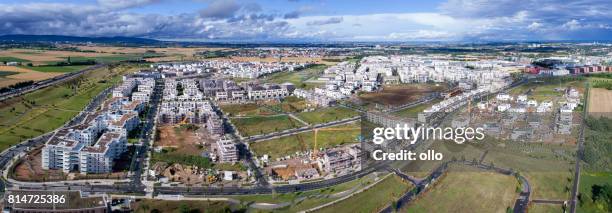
[256, 125]
[327, 115]
[313, 198]
[250, 109]
[12, 59]
[413, 112]
[549, 178]
[6, 73]
[289, 145]
[297, 78]
[150, 205]
[463, 191]
[56, 68]
[372, 199]
[545, 208]
[587, 181]
[47, 109]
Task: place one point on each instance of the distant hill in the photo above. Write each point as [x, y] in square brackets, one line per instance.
[59, 38]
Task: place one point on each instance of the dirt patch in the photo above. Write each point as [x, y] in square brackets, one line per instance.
[400, 94]
[183, 139]
[600, 102]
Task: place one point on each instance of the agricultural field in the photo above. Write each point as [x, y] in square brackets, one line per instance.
[256, 125]
[600, 102]
[463, 191]
[373, 199]
[59, 69]
[44, 110]
[10, 75]
[299, 78]
[289, 145]
[324, 115]
[395, 95]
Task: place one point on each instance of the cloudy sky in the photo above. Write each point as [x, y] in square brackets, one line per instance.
[318, 20]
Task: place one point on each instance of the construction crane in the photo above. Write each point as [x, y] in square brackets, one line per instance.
[316, 131]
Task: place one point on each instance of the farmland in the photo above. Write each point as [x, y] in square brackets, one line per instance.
[12, 75]
[600, 102]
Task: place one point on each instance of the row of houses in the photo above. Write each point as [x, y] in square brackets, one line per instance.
[93, 145]
[228, 91]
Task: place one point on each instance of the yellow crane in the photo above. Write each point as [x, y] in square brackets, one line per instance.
[316, 131]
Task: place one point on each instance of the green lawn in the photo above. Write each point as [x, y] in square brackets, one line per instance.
[372, 199]
[56, 68]
[44, 110]
[12, 59]
[325, 115]
[288, 145]
[256, 125]
[468, 191]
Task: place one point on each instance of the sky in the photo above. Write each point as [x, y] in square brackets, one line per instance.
[313, 20]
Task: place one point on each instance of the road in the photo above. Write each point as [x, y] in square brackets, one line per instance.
[579, 153]
[135, 186]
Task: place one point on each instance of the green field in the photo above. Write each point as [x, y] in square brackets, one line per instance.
[372, 199]
[151, 205]
[325, 115]
[297, 78]
[12, 59]
[413, 112]
[288, 145]
[112, 58]
[56, 68]
[44, 110]
[587, 181]
[468, 191]
[250, 109]
[6, 73]
[256, 125]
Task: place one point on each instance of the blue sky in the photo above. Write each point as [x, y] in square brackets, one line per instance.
[320, 20]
